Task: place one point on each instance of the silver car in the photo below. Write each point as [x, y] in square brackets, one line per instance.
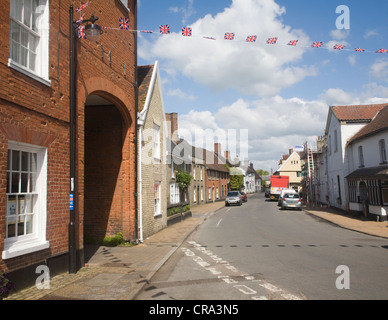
[233, 197]
[291, 201]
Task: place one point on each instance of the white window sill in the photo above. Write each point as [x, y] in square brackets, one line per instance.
[16, 251]
[12, 64]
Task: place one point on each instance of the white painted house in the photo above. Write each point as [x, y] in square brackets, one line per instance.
[368, 167]
[343, 123]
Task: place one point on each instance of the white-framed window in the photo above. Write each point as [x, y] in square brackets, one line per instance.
[201, 193]
[174, 193]
[29, 38]
[195, 195]
[200, 173]
[210, 193]
[217, 193]
[383, 151]
[360, 156]
[26, 194]
[156, 148]
[157, 205]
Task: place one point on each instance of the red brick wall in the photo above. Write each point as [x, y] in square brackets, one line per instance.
[32, 112]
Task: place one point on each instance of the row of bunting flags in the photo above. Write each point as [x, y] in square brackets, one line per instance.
[188, 32]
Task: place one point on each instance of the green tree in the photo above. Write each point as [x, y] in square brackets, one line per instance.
[236, 182]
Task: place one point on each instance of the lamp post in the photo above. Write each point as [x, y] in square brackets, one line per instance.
[92, 32]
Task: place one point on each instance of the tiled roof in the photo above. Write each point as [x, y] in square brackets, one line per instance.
[357, 112]
[379, 123]
[144, 74]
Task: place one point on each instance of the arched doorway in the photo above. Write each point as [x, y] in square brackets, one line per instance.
[103, 170]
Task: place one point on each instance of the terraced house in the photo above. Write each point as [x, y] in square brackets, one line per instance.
[49, 154]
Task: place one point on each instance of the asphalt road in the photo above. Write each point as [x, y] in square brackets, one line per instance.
[259, 252]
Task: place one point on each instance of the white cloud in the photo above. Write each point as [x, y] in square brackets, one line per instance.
[250, 68]
[352, 60]
[379, 69]
[371, 33]
[338, 34]
[181, 95]
[273, 124]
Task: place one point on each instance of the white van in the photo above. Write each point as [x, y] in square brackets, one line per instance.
[282, 193]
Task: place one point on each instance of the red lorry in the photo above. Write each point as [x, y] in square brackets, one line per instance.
[277, 184]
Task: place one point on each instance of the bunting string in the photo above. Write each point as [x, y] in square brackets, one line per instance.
[165, 30]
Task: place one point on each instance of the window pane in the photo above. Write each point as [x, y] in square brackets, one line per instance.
[29, 224]
[25, 156]
[15, 182]
[15, 51]
[17, 9]
[8, 188]
[33, 162]
[32, 59]
[24, 37]
[27, 13]
[23, 56]
[15, 160]
[35, 14]
[15, 32]
[24, 183]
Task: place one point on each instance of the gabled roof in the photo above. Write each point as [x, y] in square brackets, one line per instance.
[144, 74]
[357, 112]
[354, 113]
[288, 159]
[379, 123]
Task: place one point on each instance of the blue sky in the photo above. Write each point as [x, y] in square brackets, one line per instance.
[278, 94]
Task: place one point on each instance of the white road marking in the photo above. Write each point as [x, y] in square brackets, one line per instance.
[218, 224]
[242, 288]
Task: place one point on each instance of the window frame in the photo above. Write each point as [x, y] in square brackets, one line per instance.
[157, 199]
[383, 151]
[35, 241]
[41, 69]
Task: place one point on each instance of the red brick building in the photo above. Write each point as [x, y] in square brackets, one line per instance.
[35, 125]
[217, 175]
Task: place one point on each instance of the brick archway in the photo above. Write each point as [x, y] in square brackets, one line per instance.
[106, 160]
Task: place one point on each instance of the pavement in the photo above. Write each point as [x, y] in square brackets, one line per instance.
[120, 273]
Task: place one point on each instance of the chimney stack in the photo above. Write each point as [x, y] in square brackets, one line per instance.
[172, 118]
[217, 148]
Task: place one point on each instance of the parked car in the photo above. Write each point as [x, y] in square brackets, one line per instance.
[291, 201]
[233, 197]
[283, 192]
[267, 192]
[244, 196]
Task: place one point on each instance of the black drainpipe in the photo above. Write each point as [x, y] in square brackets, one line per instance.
[136, 131]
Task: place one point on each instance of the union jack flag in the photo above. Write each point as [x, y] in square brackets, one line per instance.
[82, 7]
[209, 38]
[359, 50]
[293, 42]
[229, 36]
[251, 38]
[80, 19]
[382, 51]
[338, 47]
[165, 29]
[146, 31]
[186, 32]
[272, 40]
[317, 44]
[124, 23]
[81, 32]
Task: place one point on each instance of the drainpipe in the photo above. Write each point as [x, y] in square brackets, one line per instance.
[136, 127]
[140, 189]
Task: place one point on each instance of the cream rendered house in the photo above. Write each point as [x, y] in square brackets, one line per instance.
[152, 133]
[292, 167]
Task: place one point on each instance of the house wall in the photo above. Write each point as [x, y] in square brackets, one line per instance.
[153, 170]
[38, 114]
[371, 151]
